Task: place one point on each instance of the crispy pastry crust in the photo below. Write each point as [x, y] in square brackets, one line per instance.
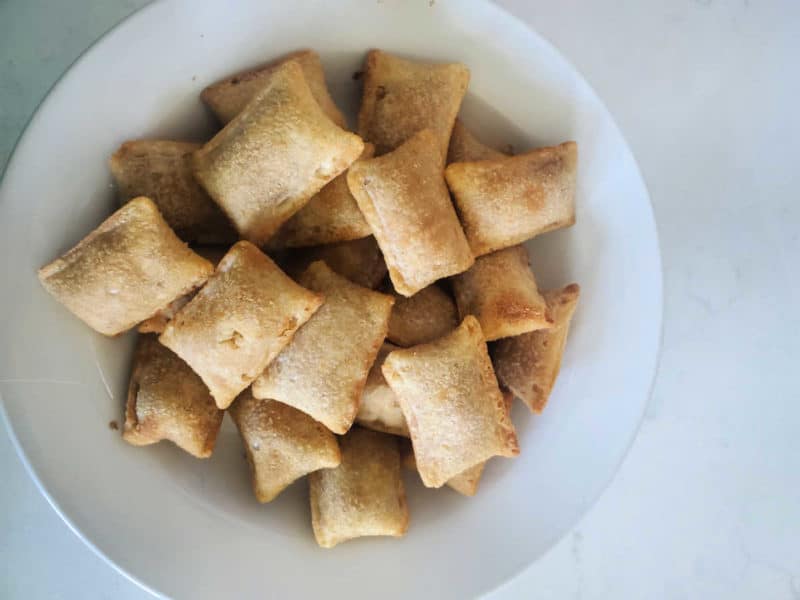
[227, 97]
[506, 201]
[404, 199]
[500, 290]
[168, 401]
[330, 216]
[452, 404]
[423, 317]
[278, 152]
[465, 147]
[244, 316]
[360, 261]
[364, 495]
[323, 371]
[158, 322]
[402, 97]
[466, 482]
[282, 443]
[162, 171]
[528, 364]
[124, 271]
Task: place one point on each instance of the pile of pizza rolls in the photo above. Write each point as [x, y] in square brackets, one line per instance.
[357, 302]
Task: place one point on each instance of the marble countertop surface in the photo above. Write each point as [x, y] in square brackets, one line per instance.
[707, 503]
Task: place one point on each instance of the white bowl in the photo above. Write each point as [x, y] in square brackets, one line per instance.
[192, 529]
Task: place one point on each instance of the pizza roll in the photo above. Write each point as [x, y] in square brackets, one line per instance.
[360, 261]
[404, 199]
[423, 317]
[228, 97]
[466, 482]
[323, 371]
[465, 147]
[330, 216]
[505, 201]
[379, 409]
[529, 364]
[239, 321]
[168, 401]
[500, 291]
[269, 161]
[402, 97]
[364, 495]
[158, 322]
[132, 265]
[162, 171]
[452, 404]
[282, 444]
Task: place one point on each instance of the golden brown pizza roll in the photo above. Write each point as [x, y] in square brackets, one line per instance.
[330, 216]
[269, 161]
[529, 364]
[323, 371]
[465, 147]
[364, 495]
[423, 317]
[168, 401]
[124, 271]
[402, 97]
[162, 171]
[500, 291]
[466, 482]
[239, 321]
[282, 443]
[379, 409]
[159, 320]
[505, 201]
[228, 97]
[452, 403]
[404, 199]
[360, 261]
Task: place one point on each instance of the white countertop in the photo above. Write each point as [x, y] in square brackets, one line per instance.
[707, 503]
